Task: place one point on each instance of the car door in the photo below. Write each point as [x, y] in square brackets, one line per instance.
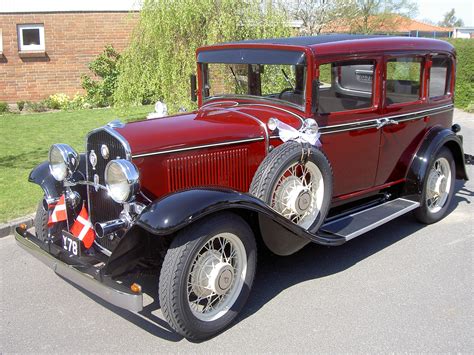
[348, 105]
[405, 115]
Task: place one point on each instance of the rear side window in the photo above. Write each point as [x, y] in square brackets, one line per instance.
[403, 80]
[440, 76]
[346, 85]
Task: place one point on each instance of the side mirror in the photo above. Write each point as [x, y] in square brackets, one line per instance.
[315, 96]
[193, 88]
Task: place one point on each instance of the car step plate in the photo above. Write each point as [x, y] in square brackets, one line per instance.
[353, 225]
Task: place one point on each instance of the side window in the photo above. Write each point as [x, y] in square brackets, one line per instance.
[440, 76]
[346, 85]
[403, 79]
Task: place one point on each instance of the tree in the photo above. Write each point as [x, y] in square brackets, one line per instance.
[450, 20]
[368, 16]
[161, 56]
[316, 15]
[356, 16]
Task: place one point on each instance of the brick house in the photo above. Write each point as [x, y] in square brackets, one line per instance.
[45, 46]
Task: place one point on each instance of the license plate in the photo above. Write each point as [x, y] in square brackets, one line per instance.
[71, 244]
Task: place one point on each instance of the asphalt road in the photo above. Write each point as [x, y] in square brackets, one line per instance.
[403, 287]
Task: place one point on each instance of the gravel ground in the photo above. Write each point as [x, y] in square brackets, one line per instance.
[403, 287]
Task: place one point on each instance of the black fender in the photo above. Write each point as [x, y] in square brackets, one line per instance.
[178, 210]
[434, 140]
[42, 177]
[52, 188]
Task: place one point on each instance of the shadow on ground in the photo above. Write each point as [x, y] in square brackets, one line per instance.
[275, 274]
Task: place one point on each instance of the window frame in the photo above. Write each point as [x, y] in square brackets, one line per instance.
[378, 61]
[422, 95]
[1, 42]
[31, 47]
[449, 78]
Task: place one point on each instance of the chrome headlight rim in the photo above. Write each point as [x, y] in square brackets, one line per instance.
[63, 161]
[130, 178]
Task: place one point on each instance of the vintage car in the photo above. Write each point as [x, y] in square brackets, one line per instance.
[295, 141]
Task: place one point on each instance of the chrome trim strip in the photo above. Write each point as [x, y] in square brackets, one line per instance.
[278, 108]
[356, 125]
[197, 147]
[129, 301]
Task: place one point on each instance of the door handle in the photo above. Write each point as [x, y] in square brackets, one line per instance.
[382, 122]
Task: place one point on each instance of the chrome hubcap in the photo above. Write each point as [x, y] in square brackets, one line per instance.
[216, 276]
[298, 193]
[439, 185]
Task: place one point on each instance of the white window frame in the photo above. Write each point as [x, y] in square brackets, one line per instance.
[31, 47]
[1, 42]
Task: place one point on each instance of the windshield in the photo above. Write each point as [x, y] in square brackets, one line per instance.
[255, 74]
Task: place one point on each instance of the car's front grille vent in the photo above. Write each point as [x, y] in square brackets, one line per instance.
[224, 168]
[101, 207]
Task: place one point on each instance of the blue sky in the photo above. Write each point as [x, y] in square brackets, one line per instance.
[435, 9]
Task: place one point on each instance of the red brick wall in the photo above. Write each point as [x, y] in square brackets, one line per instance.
[72, 40]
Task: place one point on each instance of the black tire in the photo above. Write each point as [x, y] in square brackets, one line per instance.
[177, 267]
[423, 213]
[41, 222]
[278, 161]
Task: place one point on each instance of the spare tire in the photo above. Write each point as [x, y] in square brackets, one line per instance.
[296, 180]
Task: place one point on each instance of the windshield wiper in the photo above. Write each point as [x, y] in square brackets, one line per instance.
[288, 79]
[235, 77]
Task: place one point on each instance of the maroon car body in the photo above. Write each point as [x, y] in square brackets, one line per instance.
[380, 111]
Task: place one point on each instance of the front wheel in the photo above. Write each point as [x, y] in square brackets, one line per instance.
[438, 188]
[207, 275]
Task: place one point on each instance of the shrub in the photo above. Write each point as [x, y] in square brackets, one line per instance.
[36, 106]
[161, 56]
[464, 95]
[100, 92]
[3, 107]
[58, 102]
[21, 105]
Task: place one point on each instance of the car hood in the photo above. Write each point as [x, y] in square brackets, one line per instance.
[209, 125]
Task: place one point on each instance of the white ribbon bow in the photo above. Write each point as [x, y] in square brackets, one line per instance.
[306, 134]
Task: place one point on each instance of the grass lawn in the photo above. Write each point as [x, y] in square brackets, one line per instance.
[25, 141]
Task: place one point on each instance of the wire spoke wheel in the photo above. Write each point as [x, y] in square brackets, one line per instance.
[216, 276]
[439, 185]
[298, 193]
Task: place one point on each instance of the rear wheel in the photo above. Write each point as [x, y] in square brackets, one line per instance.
[438, 188]
[207, 275]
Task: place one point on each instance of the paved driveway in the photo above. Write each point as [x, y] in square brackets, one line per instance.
[404, 287]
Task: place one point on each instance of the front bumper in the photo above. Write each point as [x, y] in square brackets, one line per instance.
[85, 276]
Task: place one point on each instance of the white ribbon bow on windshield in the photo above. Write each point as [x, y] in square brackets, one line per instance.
[308, 133]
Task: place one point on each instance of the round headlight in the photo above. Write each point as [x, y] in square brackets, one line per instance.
[122, 180]
[63, 161]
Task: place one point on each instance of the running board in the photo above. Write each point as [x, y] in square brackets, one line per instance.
[355, 224]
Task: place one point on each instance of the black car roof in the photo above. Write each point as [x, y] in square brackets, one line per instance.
[308, 40]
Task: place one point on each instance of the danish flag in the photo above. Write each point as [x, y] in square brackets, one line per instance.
[59, 213]
[82, 228]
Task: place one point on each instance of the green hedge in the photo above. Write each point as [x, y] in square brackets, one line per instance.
[464, 96]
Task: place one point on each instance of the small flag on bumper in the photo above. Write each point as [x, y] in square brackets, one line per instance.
[82, 228]
[59, 212]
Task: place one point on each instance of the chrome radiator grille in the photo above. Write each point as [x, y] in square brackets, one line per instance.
[101, 207]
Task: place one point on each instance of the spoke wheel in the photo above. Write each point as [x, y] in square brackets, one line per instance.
[299, 191]
[216, 276]
[439, 184]
[207, 275]
[438, 188]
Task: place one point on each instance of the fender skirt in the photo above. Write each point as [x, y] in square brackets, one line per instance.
[434, 140]
[178, 210]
